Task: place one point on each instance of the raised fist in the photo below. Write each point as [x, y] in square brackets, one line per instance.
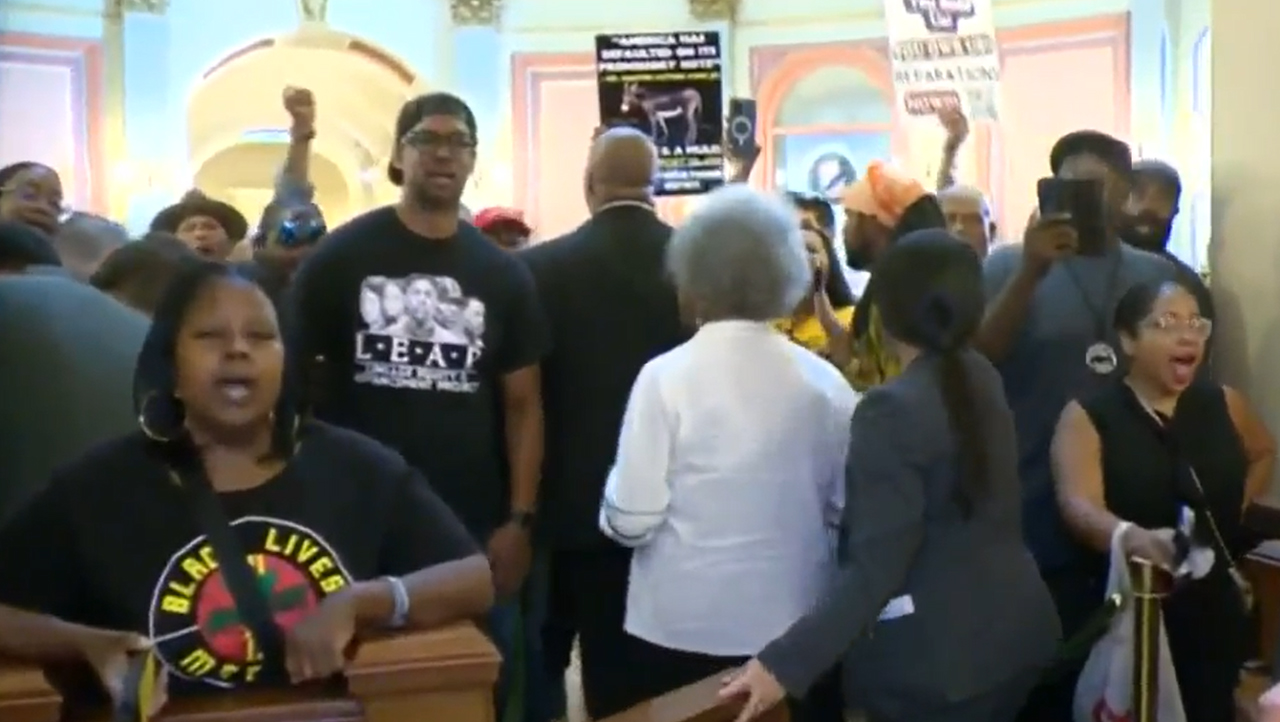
[956, 125]
[300, 103]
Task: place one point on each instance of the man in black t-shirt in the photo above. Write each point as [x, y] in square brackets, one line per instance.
[431, 338]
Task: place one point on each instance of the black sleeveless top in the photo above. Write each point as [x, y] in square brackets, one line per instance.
[1146, 466]
[1146, 477]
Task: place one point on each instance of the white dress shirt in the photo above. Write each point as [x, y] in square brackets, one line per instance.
[729, 480]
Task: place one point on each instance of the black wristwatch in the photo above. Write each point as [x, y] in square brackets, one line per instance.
[524, 519]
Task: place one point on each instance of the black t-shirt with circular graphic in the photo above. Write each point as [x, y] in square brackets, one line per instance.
[112, 543]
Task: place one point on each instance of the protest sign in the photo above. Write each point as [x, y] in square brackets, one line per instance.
[669, 86]
[944, 55]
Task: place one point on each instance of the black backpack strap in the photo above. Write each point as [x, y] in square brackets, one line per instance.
[241, 580]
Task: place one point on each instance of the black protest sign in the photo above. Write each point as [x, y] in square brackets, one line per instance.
[669, 86]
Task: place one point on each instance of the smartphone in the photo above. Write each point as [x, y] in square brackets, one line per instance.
[741, 130]
[1079, 201]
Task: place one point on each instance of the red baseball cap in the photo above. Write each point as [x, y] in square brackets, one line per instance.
[488, 218]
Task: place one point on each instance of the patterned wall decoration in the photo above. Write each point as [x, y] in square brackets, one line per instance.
[51, 110]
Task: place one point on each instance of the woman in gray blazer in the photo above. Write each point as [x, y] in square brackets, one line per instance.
[938, 612]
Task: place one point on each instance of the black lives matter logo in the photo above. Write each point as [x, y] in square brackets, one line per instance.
[940, 16]
[198, 633]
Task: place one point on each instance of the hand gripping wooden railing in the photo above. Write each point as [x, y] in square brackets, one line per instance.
[1150, 585]
[698, 702]
[446, 674]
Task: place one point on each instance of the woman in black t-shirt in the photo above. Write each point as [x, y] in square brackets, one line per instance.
[1151, 445]
[341, 535]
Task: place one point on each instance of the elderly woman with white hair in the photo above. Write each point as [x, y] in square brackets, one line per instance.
[728, 480]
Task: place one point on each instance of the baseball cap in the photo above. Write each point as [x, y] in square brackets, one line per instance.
[489, 218]
[425, 106]
[1110, 149]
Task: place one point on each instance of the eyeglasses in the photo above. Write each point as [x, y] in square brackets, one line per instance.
[454, 144]
[1197, 326]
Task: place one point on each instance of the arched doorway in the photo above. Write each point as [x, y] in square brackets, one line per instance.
[235, 112]
[242, 175]
[830, 124]
[833, 99]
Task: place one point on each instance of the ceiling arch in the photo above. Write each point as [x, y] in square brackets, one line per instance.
[243, 174]
[359, 88]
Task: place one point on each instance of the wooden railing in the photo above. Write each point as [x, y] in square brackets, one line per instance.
[446, 674]
[698, 702]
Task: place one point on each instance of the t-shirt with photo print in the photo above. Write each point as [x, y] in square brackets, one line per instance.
[416, 335]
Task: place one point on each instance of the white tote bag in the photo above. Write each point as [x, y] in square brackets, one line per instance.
[1105, 690]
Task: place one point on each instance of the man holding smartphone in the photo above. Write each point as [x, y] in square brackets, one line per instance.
[1048, 330]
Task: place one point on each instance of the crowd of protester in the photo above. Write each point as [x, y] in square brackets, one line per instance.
[679, 451]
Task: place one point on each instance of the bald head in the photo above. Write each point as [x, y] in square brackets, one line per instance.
[622, 165]
[969, 195]
[968, 216]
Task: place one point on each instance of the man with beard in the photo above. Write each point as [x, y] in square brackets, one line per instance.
[446, 405]
[1152, 206]
[880, 207]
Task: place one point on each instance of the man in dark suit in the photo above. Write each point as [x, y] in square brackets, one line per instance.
[611, 309]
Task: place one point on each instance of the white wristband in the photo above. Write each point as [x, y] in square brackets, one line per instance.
[1117, 536]
[400, 601]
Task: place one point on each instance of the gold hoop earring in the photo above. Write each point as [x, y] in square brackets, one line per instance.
[142, 419]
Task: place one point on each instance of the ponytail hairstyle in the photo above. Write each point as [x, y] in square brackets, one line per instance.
[922, 214]
[931, 297]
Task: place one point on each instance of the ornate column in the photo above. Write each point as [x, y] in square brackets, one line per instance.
[714, 10]
[144, 134]
[480, 75]
[476, 12]
[313, 12]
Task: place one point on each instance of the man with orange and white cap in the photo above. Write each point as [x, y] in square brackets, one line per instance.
[504, 226]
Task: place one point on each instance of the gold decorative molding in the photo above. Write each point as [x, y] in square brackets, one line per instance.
[313, 11]
[713, 10]
[117, 8]
[475, 12]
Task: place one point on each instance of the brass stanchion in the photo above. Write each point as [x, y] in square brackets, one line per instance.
[1150, 585]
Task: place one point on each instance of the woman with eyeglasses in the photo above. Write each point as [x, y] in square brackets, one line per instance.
[31, 193]
[122, 552]
[1158, 446]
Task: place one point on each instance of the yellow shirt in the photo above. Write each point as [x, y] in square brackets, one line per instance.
[872, 362]
[809, 331]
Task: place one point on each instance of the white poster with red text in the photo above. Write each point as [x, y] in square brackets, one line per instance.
[944, 55]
